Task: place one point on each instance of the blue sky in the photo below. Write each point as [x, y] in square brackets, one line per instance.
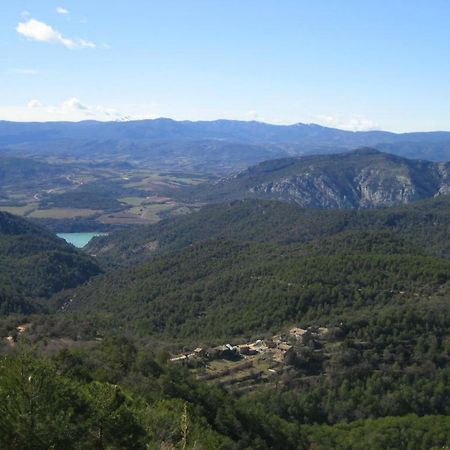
[344, 63]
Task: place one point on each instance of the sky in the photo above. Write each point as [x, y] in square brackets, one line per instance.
[348, 64]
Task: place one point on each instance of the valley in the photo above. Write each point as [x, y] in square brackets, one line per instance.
[79, 194]
[293, 303]
[224, 225]
[79, 240]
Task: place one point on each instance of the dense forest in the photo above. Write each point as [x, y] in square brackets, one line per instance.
[425, 223]
[242, 288]
[36, 264]
[91, 365]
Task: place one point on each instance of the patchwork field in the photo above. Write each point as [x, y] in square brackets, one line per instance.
[61, 213]
[108, 194]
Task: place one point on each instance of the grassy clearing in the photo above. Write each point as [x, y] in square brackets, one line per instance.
[19, 210]
[151, 212]
[123, 218]
[63, 213]
[149, 182]
[132, 201]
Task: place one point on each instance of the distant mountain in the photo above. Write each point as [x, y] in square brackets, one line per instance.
[222, 144]
[34, 264]
[364, 178]
[239, 131]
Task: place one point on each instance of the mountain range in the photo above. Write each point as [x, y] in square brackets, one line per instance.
[222, 145]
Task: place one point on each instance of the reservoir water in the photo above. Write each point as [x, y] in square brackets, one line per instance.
[79, 240]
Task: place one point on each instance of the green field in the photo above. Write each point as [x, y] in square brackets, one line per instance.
[19, 210]
[62, 213]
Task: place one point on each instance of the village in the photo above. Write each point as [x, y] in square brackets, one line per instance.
[243, 367]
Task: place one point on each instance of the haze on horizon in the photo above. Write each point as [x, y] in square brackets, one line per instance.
[351, 65]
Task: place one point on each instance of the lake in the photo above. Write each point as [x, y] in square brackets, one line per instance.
[79, 240]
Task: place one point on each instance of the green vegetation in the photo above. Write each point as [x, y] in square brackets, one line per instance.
[244, 288]
[425, 224]
[62, 213]
[408, 432]
[101, 195]
[94, 370]
[117, 396]
[65, 192]
[24, 171]
[34, 263]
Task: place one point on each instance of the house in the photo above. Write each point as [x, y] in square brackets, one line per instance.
[300, 334]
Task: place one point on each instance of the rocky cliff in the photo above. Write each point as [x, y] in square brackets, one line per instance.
[364, 178]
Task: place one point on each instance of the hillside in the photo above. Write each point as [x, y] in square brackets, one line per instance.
[234, 289]
[19, 170]
[36, 264]
[425, 223]
[369, 291]
[374, 304]
[364, 178]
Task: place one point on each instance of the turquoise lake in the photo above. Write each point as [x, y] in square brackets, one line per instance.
[79, 240]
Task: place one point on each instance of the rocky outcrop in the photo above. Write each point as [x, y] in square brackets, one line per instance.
[365, 178]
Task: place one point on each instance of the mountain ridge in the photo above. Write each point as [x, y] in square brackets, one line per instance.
[362, 178]
[206, 145]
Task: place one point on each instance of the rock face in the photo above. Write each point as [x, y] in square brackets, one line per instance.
[364, 178]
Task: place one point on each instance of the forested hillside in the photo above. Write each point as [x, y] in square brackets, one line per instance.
[35, 264]
[19, 171]
[425, 223]
[221, 289]
[369, 288]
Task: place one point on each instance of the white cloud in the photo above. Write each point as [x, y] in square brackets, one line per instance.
[73, 109]
[253, 115]
[356, 123]
[73, 104]
[25, 14]
[26, 71]
[61, 10]
[32, 104]
[40, 31]
[86, 44]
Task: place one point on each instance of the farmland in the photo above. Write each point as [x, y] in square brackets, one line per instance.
[111, 195]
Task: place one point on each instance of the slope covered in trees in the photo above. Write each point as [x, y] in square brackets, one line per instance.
[424, 223]
[120, 396]
[377, 280]
[222, 288]
[384, 364]
[36, 264]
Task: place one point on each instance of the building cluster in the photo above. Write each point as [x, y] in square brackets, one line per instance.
[278, 346]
